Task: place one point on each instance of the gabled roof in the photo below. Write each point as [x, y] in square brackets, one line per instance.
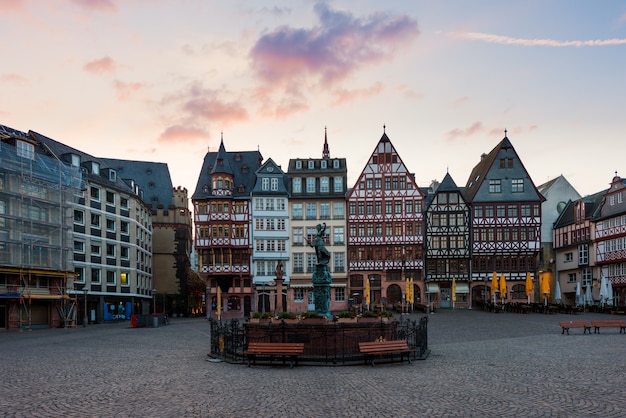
[592, 203]
[243, 165]
[151, 177]
[222, 164]
[272, 170]
[477, 187]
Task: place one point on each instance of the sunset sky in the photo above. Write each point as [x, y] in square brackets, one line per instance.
[161, 80]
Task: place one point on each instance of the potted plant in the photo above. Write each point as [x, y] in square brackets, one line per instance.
[386, 315]
[286, 317]
[260, 318]
[368, 316]
[312, 317]
[346, 316]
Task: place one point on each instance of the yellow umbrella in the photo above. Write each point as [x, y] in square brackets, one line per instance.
[453, 290]
[529, 285]
[502, 287]
[494, 285]
[367, 292]
[544, 286]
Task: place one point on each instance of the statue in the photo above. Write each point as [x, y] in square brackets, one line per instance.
[321, 275]
[321, 252]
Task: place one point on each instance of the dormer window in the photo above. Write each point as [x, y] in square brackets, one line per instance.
[25, 150]
[220, 162]
[335, 163]
[244, 169]
[75, 160]
[323, 162]
[298, 165]
[95, 168]
[237, 157]
[205, 188]
[311, 165]
[112, 176]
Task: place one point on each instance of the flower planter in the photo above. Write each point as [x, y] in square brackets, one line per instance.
[346, 320]
[368, 320]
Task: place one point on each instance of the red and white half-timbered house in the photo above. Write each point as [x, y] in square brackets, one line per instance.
[385, 229]
[610, 235]
[222, 218]
[506, 223]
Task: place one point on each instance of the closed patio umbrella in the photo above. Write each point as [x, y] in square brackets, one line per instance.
[544, 286]
[529, 285]
[588, 297]
[453, 291]
[494, 285]
[219, 303]
[557, 292]
[579, 300]
[603, 290]
[609, 292]
[367, 293]
[502, 287]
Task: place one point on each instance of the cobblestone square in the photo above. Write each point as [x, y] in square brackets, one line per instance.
[481, 365]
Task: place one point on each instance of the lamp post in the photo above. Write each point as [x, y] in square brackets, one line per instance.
[85, 317]
[371, 279]
[153, 301]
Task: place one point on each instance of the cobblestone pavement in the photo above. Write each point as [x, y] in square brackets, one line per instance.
[481, 365]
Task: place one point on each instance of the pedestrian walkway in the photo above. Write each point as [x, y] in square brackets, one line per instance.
[481, 365]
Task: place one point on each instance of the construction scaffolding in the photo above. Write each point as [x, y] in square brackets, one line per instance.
[38, 193]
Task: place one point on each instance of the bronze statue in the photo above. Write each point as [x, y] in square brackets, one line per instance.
[322, 253]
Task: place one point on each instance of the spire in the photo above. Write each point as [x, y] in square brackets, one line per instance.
[326, 151]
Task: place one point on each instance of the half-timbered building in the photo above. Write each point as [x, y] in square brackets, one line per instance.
[317, 196]
[385, 229]
[610, 236]
[222, 217]
[447, 220]
[270, 237]
[506, 222]
[575, 249]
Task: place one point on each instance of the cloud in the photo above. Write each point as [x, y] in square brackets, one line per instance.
[463, 133]
[408, 92]
[13, 78]
[126, 90]
[506, 40]
[518, 130]
[331, 51]
[101, 66]
[343, 95]
[182, 134]
[11, 6]
[97, 5]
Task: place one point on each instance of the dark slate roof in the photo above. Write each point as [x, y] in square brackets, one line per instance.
[153, 180]
[62, 152]
[272, 170]
[447, 184]
[225, 166]
[592, 203]
[605, 210]
[243, 165]
[477, 187]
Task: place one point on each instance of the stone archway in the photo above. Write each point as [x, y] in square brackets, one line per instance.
[394, 294]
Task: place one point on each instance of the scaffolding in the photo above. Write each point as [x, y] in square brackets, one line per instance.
[37, 195]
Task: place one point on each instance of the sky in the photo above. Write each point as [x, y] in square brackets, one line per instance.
[165, 80]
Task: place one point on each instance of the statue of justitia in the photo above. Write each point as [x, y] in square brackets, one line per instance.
[322, 253]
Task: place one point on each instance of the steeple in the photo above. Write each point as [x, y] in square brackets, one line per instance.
[326, 151]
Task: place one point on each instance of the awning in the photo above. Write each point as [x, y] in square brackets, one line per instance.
[462, 288]
[48, 297]
[432, 288]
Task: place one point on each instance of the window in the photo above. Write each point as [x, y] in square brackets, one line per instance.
[338, 184]
[325, 210]
[296, 185]
[274, 184]
[517, 185]
[324, 163]
[269, 204]
[298, 263]
[311, 165]
[311, 260]
[95, 220]
[298, 295]
[110, 225]
[110, 277]
[110, 196]
[311, 211]
[571, 278]
[336, 164]
[586, 276]
[79, 247]
[95, 249]
[583, 255]
[124, 227]
[25, 150]
[79, 217]
[338, 235]
[495, 186]
[324, 188]
[339, 262]
[94, 193]
[80, 274]
[110, 250]
[298, 164]
[298, 238]
[125, 253]
[569, 257]
[124, 279]
[310, 184]
[124, 203]
[96, 276]
[338, 210]
[340, 294]
[296, 211]
[265, 184]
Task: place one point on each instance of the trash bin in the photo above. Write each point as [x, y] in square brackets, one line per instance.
[133, 321]
[155, 321]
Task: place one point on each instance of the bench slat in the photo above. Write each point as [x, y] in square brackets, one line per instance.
[608, 323]
[373, 348]
[292, 350]
[566, 325]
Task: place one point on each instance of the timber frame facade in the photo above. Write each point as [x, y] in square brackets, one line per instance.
[385, 229]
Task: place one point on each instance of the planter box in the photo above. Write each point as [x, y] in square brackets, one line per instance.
[347, 320]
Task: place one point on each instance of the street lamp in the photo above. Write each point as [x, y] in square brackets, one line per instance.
[153, 301]
[85, 317]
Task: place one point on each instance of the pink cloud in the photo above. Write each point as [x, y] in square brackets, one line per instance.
[11, 6]
[340, 45]
[126, 90]
[506, 40]
[182, 134]
[97, 5]
[462, 133]
[409, 93]
[344, 96]
[14, 79]
[101, 66]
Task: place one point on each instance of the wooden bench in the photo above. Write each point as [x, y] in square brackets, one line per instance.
[271, 350]
[380, 348]
[608, 323]
[566, 325]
